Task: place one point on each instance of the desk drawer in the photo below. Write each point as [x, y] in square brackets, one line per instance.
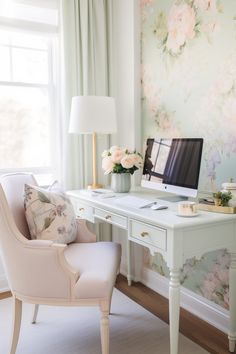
[83, 210]
[148, 234]
[111, 218]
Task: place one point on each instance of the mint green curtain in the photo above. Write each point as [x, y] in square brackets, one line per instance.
[86, 37]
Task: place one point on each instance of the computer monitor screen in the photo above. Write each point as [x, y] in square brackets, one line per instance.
[173, 165]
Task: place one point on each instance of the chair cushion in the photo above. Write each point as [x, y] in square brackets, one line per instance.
[97, 264]
[50, 215]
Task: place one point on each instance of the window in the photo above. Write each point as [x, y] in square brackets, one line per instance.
[160, 153]
[28, 95]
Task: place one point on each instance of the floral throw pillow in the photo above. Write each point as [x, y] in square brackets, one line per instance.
[50, 215]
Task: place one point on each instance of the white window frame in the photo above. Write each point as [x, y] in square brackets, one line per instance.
[53, 92]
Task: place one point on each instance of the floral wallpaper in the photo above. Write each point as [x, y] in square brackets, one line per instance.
[188, 54]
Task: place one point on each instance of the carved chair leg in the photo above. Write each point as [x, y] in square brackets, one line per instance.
[35, 313]
[16, 324]
[104, 325]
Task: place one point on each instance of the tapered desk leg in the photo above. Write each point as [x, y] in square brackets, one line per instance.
[174, 307]
[129, 277]
[232, 303]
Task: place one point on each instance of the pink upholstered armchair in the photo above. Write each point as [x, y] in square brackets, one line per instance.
[82, 273]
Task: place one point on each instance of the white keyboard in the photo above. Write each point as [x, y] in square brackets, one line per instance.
[134, 202]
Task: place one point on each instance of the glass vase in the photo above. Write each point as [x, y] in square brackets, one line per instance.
[120, 182]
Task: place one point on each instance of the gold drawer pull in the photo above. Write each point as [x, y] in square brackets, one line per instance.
[108, 217]
[144, 233]
[81, 209]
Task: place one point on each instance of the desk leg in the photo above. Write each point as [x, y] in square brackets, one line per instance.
[174, 307]
[232, 303]
[129, 278]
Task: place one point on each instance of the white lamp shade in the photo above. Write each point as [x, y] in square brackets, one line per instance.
[93, 114]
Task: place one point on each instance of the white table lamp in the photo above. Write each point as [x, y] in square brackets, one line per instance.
[93, 115]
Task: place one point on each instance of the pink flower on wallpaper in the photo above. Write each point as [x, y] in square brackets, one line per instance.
[223, 276]
[181, 24]
[205, 5]
[213, 289]
[144, 3]
[209, 286]
[150, 90]
[164, 120]
[223, 259]
[215, 286]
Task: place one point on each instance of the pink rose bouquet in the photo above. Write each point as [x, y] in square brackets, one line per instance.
[121, 160]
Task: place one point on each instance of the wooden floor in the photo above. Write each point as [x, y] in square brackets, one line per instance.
[200, 332]
[5, 295]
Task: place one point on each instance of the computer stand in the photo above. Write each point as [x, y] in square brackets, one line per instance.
[173, 198]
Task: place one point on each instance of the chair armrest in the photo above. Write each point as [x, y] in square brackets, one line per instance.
[44, 271]
[84, 234]
[39, 243]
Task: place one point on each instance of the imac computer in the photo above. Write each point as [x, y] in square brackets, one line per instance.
[173, 165]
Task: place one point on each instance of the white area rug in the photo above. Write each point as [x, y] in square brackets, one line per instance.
[75, 330]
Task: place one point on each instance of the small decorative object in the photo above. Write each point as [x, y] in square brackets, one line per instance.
[187, 208]
[121, 163]
[222, 198]
[230, 187]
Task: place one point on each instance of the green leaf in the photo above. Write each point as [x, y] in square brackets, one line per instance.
[43, 198]
[47, 222]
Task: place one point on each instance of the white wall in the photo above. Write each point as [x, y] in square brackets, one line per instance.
[127, 85]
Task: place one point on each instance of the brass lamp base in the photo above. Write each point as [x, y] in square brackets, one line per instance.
[95, 186]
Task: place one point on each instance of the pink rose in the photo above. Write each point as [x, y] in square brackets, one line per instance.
[117, 158]
[128, 161]
[117, 155]
[138, 161]
[107, 164]
[181, 24]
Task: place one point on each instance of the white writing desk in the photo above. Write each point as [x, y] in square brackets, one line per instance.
[176, 238]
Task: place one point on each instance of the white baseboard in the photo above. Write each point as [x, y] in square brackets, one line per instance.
[190, 301]
[3, 284]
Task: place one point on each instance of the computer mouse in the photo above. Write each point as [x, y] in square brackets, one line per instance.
[158, 207]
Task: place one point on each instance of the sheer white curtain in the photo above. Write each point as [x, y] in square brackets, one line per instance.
[86, 37]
